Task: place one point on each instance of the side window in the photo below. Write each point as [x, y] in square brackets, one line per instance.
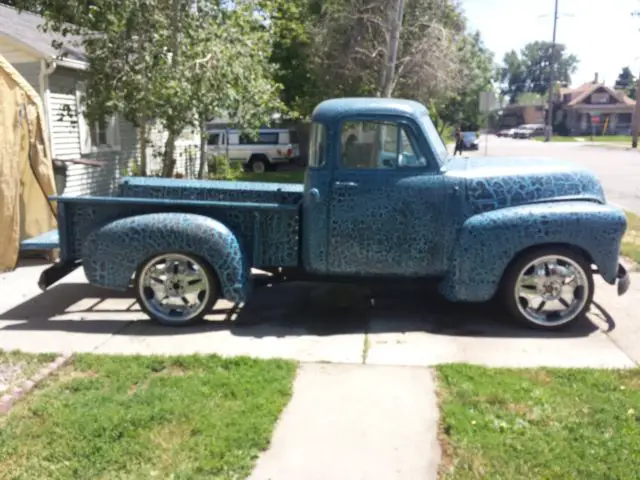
[214, 139]
[377, 145]
[316, 145]
[264, 138]
[268, 138]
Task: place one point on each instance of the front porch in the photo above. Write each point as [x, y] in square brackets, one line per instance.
[613, 119]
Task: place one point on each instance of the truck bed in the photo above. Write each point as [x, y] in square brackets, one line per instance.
[264, 216]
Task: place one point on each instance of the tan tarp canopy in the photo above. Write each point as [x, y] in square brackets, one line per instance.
[26, 170]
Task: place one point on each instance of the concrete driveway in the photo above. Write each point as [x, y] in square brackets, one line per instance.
[305, 322]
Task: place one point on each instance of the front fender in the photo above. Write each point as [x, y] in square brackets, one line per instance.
[487, 242]
[112, 253]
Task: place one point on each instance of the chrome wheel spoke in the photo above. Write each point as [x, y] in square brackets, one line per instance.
[554, 289]
[174, 287]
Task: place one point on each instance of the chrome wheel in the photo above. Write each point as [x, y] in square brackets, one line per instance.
[175, 288]
[552, 290]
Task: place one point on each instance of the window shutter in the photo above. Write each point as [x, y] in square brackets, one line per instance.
[83, 127]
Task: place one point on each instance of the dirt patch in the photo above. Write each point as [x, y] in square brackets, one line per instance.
[170, 371]
[540, 377]
[16, 367]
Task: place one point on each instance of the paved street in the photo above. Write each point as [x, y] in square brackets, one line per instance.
[617, 168]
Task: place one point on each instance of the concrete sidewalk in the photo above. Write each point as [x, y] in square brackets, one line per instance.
[356, 422]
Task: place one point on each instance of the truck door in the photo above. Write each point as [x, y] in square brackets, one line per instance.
[387, 202]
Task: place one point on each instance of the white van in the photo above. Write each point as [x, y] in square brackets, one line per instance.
[273, 146]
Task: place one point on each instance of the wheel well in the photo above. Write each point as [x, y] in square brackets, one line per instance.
[258, 156]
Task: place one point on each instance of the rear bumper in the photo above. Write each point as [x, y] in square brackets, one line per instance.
[624, 281]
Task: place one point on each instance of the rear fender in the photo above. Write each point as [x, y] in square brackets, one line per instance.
[111, 254]
[489, 241]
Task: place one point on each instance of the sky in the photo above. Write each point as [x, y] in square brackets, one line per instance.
[603, 35]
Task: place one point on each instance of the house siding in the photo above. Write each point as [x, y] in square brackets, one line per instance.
[65, 134]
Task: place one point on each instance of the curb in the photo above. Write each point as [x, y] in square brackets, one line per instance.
[9, 400]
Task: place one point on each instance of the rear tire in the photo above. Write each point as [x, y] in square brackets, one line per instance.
[549, 288]
[176, 289]
[258, 164]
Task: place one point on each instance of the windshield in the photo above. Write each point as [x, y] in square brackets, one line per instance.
[469, 135]
[434, 139]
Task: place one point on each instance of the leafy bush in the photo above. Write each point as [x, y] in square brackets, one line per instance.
[220, 168]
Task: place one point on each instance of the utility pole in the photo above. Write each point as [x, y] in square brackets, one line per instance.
[552, 75]
[635, 122]
[388, 74]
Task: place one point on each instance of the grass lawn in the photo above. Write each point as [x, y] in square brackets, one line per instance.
[542, 423]
[557, 138]
[631, 240]
[587, 138]
[113, 417]
[279, 176]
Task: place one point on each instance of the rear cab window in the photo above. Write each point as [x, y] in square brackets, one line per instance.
[317, 142]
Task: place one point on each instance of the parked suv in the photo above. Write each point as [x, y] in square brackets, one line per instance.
[272, 147]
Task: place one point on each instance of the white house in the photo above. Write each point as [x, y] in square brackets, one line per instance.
[97, 154]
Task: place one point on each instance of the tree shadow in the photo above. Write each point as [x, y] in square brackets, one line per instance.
[290, 309]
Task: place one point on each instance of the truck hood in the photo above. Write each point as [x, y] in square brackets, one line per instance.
[497, 182]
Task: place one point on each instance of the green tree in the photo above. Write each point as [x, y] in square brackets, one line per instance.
[156, 59]
[351, 48]
[530, 70]
[292, 24]
[462, 107]
[626, 81]
[231, 74]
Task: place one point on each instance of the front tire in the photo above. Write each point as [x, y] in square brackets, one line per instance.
[176, 289]
[548, 288]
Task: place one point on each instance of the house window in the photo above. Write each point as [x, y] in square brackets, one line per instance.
[103, 135]
[600, 98]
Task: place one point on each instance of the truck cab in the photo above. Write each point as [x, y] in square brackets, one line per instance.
[375, 198]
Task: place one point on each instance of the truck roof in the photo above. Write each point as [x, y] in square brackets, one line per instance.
[339, 107]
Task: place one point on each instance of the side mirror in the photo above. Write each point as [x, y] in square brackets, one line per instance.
[387, 162]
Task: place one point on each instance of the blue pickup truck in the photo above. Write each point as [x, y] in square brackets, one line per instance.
[382, 199]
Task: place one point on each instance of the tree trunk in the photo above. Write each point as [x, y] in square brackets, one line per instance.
[169, 160]
[143, 148]
[389, 70]
[170, 144]
[204, 137]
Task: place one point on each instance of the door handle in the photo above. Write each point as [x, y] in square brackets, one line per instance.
[345, 184]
